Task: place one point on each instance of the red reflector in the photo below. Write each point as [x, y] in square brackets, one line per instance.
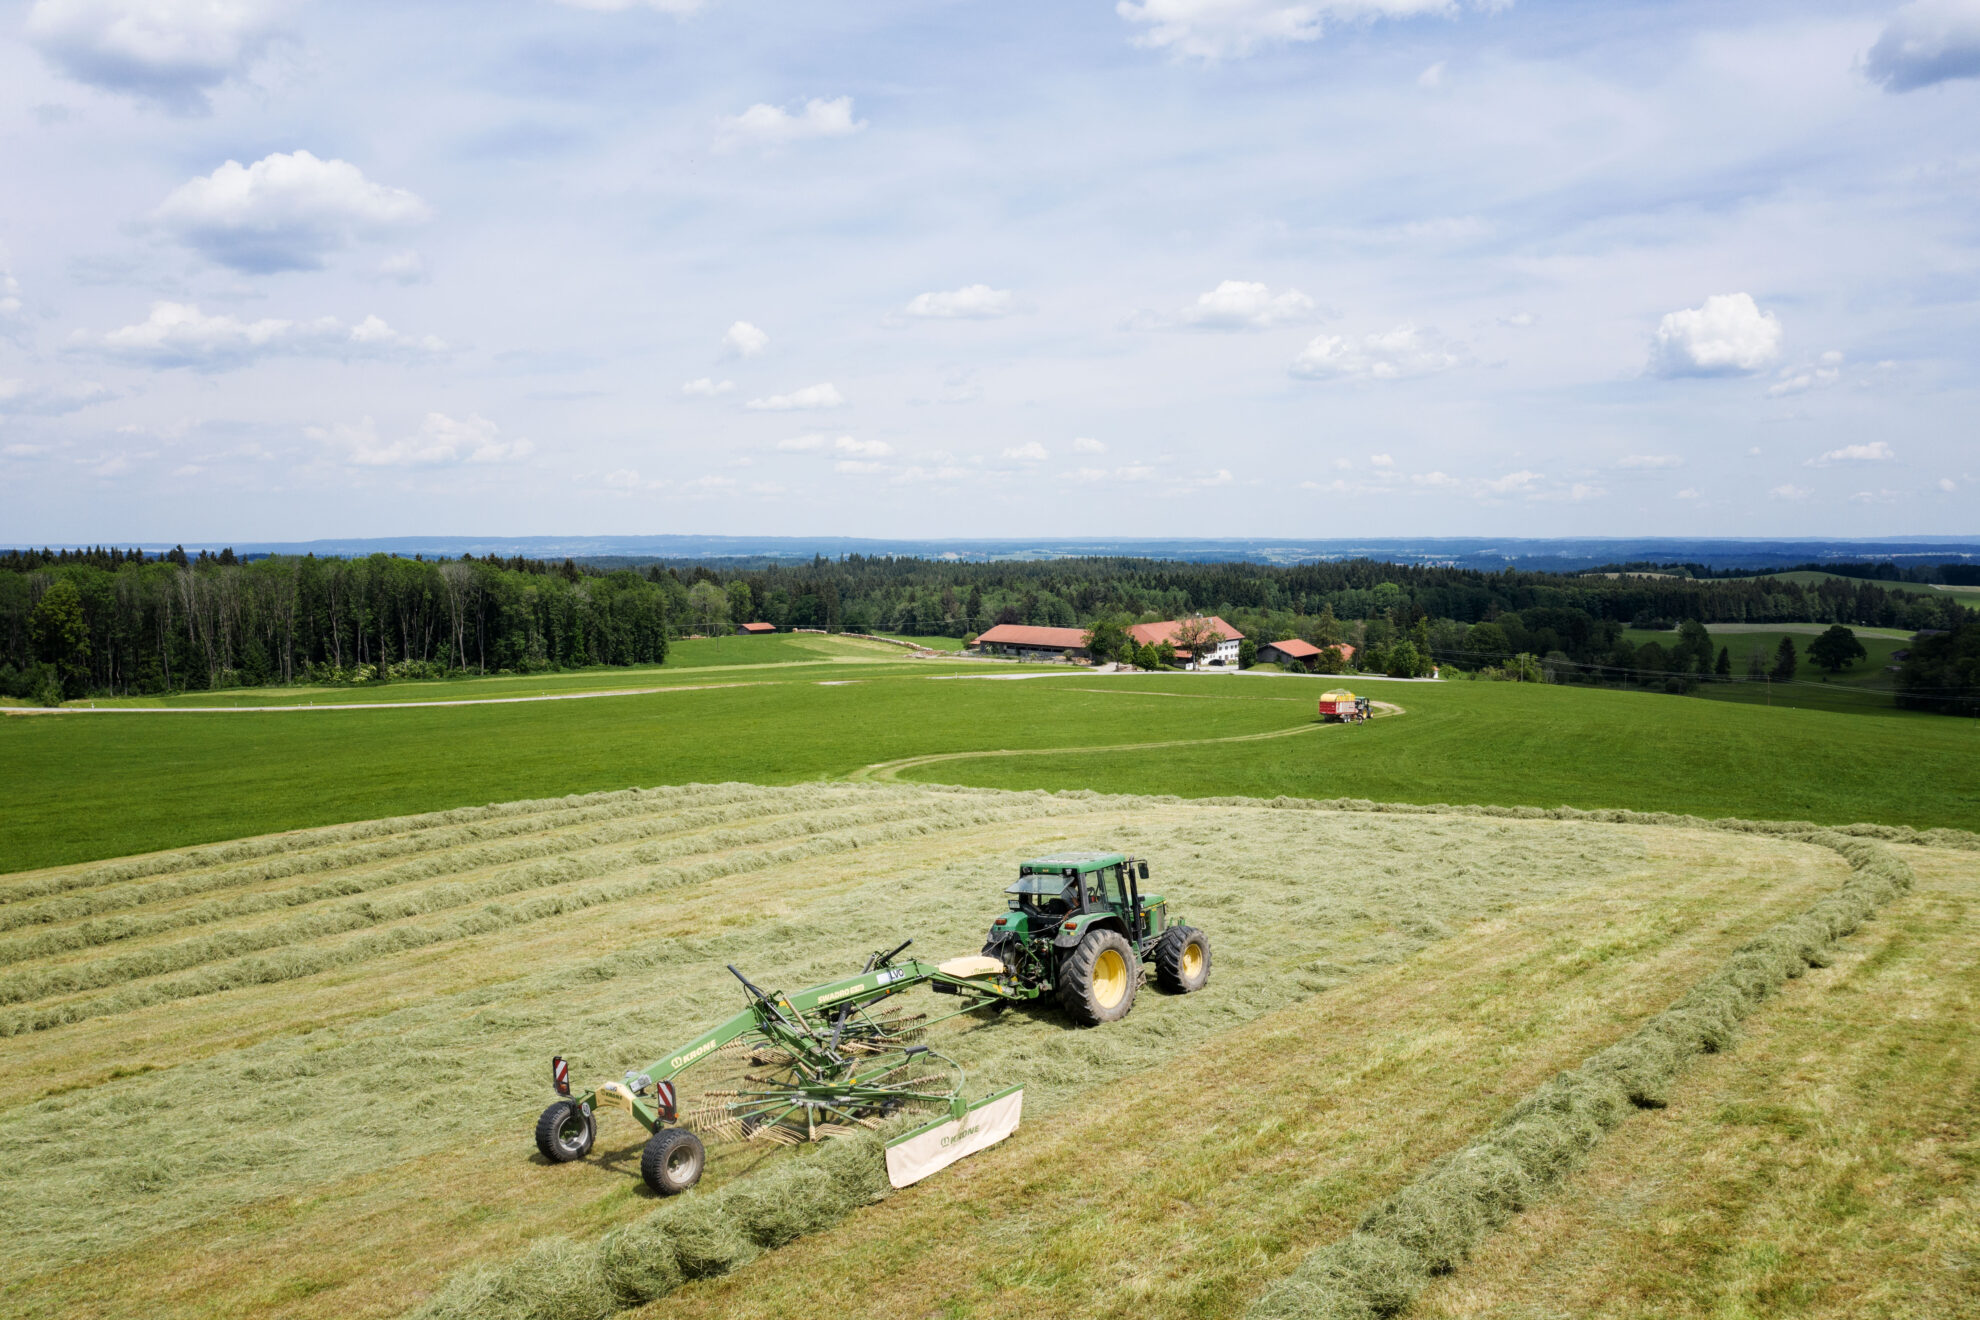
[1071, 924]
[560, 1075]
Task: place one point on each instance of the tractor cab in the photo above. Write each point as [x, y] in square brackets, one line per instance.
[1080, 925]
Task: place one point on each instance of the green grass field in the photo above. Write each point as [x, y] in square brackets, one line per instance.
[1865, 687]
[99, 785]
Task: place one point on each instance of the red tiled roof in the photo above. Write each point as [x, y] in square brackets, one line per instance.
[1154, 634]
[1294, 647]
[759, 627]
[1016, 634]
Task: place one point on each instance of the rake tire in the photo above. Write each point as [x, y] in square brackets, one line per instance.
[565, 1132]
[672, 1161]
[1176, 971]
[1098, 978]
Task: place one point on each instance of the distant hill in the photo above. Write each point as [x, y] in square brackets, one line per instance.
[1557, 555]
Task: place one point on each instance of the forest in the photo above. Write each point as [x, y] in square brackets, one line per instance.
[119, 621]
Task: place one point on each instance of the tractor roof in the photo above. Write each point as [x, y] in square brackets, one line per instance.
[1076, 861]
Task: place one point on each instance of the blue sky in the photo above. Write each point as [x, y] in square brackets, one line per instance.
[281, 269]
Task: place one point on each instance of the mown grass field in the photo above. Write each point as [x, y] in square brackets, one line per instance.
[101, 785]
[295, 1076]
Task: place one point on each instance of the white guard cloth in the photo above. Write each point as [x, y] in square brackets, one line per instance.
[938, 1147]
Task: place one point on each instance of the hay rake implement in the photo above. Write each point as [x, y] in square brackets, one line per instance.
[791, 1067]
[835, 1058]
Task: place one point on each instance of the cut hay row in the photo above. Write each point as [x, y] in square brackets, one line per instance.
[1431, 1226]
[277, 957]
[294, 1090]
[696, 1237]
[329, 861]
[620, 844]
[202, 870]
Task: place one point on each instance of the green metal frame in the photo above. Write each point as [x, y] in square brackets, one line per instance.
[814, 1026]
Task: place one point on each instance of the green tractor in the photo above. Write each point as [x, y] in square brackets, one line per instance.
[1080, 927]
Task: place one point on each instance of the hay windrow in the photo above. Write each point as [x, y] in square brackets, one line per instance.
[1431, 1226]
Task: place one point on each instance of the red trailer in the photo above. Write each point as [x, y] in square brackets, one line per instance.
[1339, 705]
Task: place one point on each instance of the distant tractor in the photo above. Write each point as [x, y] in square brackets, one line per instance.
[1079, 927]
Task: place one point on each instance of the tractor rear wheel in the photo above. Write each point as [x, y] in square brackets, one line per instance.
[672, 1161]
[1182, 960]
[565, 1132]
[1098, 979]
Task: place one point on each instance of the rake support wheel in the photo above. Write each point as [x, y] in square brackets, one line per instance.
[1182, 960]
[672, 1161]
[1098, 979]
[565, 1132]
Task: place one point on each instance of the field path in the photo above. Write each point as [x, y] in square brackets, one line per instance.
[891, 770]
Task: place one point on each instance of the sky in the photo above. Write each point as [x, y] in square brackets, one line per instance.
[286, 269]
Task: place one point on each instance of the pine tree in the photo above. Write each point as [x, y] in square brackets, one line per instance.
[1785, 662]
[1724, 669]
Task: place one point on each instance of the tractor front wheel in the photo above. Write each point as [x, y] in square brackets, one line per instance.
[672, 1161]
[1098, 979]
[565, 1132]
[1182, 960]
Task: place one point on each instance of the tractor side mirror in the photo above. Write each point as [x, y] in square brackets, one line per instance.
[1143, 873]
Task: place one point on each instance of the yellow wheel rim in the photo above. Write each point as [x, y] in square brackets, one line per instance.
[1110, 978]
[1192, 960]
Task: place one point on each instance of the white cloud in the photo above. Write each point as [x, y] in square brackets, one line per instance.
[13, 315]
[1582, 491]
[1242, 305]
[707, 387]
[440, 441]
[773, 126]
[180, 335]
[284, 212]
[1513, 482]
[1086, 444]
[810, 397]
[974, 301]
[17, 398]
[1687, 493]
[1947, 484]
[1403, 351]
[23, 451]
[1650, 461]
[1927, 42]
[1432, 76]
[1437, 479]
[629, 480]
[845, 444]
[1215, 29]
[1381, 460]
[1029, 452]
[1729, 335]
[1790, 492]
[169, 51]
[1819, 375]
[1519, 321]
[744, 339]
[1221, 477]
[1877, 451]
[1874, 497]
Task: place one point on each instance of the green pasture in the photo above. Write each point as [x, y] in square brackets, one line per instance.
[84, 786]
[1864, 687]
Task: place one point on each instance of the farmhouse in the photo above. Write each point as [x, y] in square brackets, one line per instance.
[1225, 652]
[1293, 651]
[1024, 643]
[751, 629]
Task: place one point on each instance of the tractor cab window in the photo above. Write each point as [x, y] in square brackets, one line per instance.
[1110, 885]
[1045, 895]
